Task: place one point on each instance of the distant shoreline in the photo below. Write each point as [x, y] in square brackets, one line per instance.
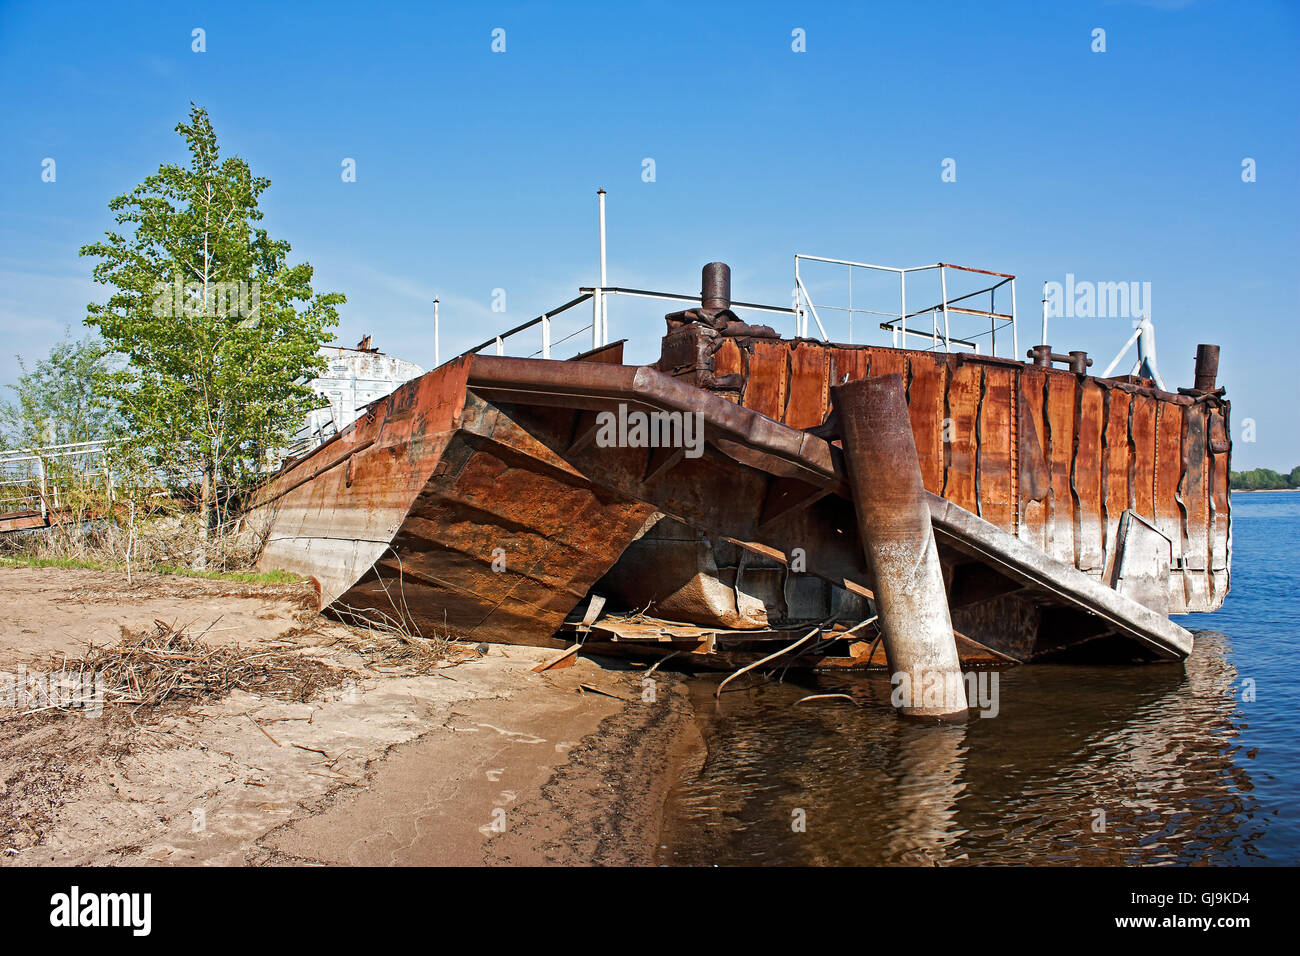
[1256, 491]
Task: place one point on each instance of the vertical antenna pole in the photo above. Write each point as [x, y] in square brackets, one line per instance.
[798, 301]
[1015, 336]
[902, 306]
[1043, 340]
[437, 355]
[943, 290]
[602, 313]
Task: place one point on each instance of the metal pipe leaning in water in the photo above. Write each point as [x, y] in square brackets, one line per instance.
[894, 523]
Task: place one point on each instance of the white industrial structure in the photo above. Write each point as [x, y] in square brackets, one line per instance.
[354, 377]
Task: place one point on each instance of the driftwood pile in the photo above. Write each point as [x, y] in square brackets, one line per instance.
[387, 642]
[167, 665]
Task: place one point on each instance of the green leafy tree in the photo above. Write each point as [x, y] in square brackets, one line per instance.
[1260, 479]
[1293, 479]
[62, 398]
[219, 332]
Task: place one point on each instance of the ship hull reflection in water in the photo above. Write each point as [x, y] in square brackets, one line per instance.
[1081, 766]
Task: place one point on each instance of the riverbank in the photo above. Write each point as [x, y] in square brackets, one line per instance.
[474, 760]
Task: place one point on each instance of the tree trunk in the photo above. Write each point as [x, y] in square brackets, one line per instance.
[206, 494]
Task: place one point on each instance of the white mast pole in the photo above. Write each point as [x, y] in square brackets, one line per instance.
[1043, 340]
[604, 307]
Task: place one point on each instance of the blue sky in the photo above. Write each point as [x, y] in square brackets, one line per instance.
[477, 170]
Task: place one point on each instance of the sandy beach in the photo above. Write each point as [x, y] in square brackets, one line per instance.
[478, 760]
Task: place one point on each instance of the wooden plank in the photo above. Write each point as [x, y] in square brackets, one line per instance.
[22, 522]
[565, 659]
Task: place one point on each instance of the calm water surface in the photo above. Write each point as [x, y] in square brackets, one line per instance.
[1185, 769]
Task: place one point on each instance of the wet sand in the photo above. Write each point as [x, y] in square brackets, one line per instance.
[483, 762]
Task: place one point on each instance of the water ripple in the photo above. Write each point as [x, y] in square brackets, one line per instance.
[1183, 768]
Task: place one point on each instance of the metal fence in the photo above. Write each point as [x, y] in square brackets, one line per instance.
[599, 325]
[946, 321]
[38, 480]
[949, 320]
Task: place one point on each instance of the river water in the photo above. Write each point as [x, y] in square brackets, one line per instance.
[1121, 765]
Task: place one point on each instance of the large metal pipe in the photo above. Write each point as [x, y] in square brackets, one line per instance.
[894, 524]
[1207, 367]
[715, 282]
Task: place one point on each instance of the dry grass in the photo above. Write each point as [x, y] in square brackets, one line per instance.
[132, 540]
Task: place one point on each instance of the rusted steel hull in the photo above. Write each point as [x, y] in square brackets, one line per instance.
[434, 510]
[475, 500]
[1053, 457]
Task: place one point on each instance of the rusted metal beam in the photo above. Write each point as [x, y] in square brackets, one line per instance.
[661, 461]
[785, 495]
[974, 582]
[572, 385]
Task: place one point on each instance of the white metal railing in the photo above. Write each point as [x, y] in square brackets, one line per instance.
[941, 314]
[599, 296]
[498, 341]
[30, 482]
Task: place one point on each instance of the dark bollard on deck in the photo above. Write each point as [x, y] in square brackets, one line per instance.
[894, 524]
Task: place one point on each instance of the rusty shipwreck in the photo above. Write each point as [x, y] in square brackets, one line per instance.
[1070, 514]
